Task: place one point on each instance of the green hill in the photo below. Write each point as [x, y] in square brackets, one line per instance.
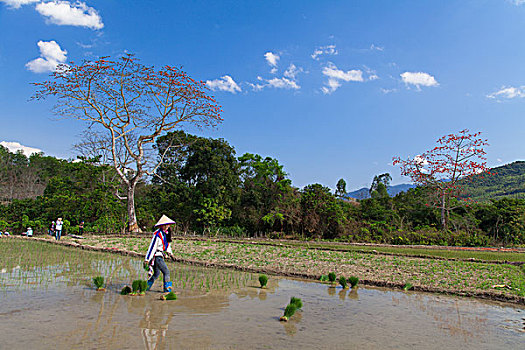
[506, 181]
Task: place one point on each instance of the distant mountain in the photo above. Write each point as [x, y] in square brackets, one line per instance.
[362, 193]
[506, 181]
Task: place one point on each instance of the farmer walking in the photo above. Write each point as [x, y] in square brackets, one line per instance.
[158, 247]
[58, 229]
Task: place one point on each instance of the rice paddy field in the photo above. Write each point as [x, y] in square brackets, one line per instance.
[483, 274]
[49, 300]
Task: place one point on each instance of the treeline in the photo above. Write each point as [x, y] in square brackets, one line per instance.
[207, 188]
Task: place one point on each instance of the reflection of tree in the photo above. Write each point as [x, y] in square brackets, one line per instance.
[447, 315]
[154, 325]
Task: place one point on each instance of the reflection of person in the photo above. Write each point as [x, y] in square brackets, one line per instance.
[155, 256]
[154, 326]
[58, 229]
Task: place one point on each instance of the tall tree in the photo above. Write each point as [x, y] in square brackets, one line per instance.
[128, 105]
[379, 187]
[340, 188]
[455, 157]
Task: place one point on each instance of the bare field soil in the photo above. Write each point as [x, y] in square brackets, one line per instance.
[494, 279]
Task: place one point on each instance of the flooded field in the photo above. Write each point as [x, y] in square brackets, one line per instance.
[48, 302]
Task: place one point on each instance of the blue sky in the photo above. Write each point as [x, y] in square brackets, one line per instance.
[332, 89]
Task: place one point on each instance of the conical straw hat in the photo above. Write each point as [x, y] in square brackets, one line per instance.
[164, 220]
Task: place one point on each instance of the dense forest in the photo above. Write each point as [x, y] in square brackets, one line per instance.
[208, 189]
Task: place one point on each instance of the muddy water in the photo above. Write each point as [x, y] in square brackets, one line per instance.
[47, 302]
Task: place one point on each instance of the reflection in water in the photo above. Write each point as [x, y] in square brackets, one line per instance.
[331, 291]
[449, 318]
[290, 327]
[353, 294]
[342, 294]
[154, 325]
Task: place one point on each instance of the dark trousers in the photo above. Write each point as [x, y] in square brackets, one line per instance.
[158, 267]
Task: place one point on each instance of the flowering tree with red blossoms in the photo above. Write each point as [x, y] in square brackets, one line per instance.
[456, 157]
[127, 106]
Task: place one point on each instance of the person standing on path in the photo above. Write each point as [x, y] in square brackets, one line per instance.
[81, 228]
[155, 256]
[58, 229]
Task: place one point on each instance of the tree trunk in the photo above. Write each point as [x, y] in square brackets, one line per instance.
[132, 216]
[443, 216]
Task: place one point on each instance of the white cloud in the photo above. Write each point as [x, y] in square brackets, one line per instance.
[65, 13]
[377, 48]
[278, 83]
[292, 71]
[418, 79]
[335, 76]
[225, 83]
[50, 56]
[388, 91]
[271, 58]
[283, 83]
[518, 2]
[508, 92]
[16, 146]
[324, 50]
[15, 4]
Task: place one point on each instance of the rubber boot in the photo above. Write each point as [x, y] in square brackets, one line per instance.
[150, 283]
[167, 287]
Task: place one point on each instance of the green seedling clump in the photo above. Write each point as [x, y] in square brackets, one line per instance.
[263, 280]
[408, 286]
[126, 290]
[331, 277]
[297, 302]
[288, 312]
[170, 296]
[323, 278]
[99, 282]
[353, 281]
[342, 282]
[139, 287]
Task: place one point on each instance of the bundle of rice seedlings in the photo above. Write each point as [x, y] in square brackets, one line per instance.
[297, 302]
[170, 296]
[139, 287]
[99, 283]
[143, 285]
[323, 278]
[342, 282]
[263, 280]
[353, 281]
[126, 290]
[331, 277]
[288, 312]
